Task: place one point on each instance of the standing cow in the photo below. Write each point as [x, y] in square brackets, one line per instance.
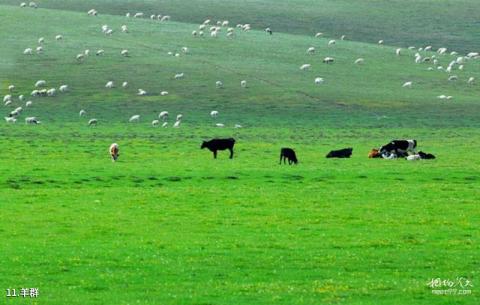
[114, 152]
[399, 148]
[288, 154]
[219, 144]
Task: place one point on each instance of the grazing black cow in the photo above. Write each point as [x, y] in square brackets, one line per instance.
[219, 144]
[426, 156]
[400, 148]
[288, 153]
[341, 153]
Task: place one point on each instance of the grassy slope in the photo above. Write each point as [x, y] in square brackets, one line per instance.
[168, 225]
[450, 23]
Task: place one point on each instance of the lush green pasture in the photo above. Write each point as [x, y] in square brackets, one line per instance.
[449, 23]
[167, 224]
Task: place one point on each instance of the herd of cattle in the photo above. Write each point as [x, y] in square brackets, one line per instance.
[393, 150]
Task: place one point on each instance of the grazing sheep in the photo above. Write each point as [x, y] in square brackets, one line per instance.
[21, 97]
[164, 125]
[58, 37]
[269, 31]
[319, 81]
[134, 118]
[92, 12]
[124, 29]
[413, 157]
[407, 85]
[127, 15]
[82, 113]
[185, 50]
[7, 103]
[398, 51]
[23, 4]
[163, 93]
[219, 84]
[41, 40]
[359, 61]
[214, 113]
[40, 83]
[453, 53]
[51, 92]
[332, 42]
[220, 125]
[194, 33]
[141, 92]
[11, 88]
[177, 124]
[165, 18]
[100, 52]
[179, 76]
[238, 126]
[28, 104]
[28, 51]
[328, 60]
[243, 84]
[445, 97]
[63, 88]
[163, 115]
[317, 35]
[200, 33]
[32, 120]
[153, 17]
[214, 34]
[80, 57]
[10, 120]
[441, 51]
[155, 123]
[311, 51]
[124, 84]
[453, 78]
[471, 80]
[35, 93]
[39, 50]
[33, 5]
[179, 117]
[427, 48]
[138, 15]
[92, 122]
[109, 85]
[342, 37]
[305, 67]
[380, 42]
[124, 53]
[16, 112]
[86, 52]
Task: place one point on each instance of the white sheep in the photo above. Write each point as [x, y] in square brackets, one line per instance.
[127, 15]
[80, 57]
[155, 123]
[33, 4]
[219, 84]
[194, 33]
[165, 18]
[413, 157]
[311, 51]
[134, 118]
[51, 92]
[8, 103]
[124, 29]
[92, 12]
[40, 83]
[39, 49]
[164, 125]
[427, 48]
[407, 84]
[141, 92]
[342, 37]
[164, 93]
[359, 61]
[124, 84]
[453, 78]
[332, 42]
[153, 17]
[82, 113]
[177, 124]
[32, 120]
[243, 84]
[10, 120]
[238, 126]
[86, 52]
[11, 88]
[109, 85]
[319, 81]
[92, 122]
[179, 76]
[23, 4]
[305, 67]
[179, 117]
[185, 50]
[100, 52]
[63, 88]
[58, 37]
[28, 103]
[380, 42]
[398, 51]
[138, 15]
[214, 113]
[21, 97]
[317, 35]
[471, 80]
[220, 125]
[28, 51]
[163, 115]
[124, 53]
[214, 34]
[7, 97]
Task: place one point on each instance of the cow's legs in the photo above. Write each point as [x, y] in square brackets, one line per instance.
[281, 159]
[215, 154]
[231, 153]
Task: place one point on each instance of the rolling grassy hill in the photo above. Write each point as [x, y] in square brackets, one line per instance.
[167, 224]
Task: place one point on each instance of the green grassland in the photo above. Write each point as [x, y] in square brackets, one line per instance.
[167, 224]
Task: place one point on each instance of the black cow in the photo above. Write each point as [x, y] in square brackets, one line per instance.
[400, 148]
[219, 144]
[426, 156]
[288, 153]
[341, 153]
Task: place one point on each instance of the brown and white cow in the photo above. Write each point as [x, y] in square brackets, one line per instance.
[114, 151]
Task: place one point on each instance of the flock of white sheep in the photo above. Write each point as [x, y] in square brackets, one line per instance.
[423, 55]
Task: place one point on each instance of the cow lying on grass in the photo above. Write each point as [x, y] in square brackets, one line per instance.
[341, 153]
[288, 154]
[420, 156]
[219, 144]
[399, 148]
